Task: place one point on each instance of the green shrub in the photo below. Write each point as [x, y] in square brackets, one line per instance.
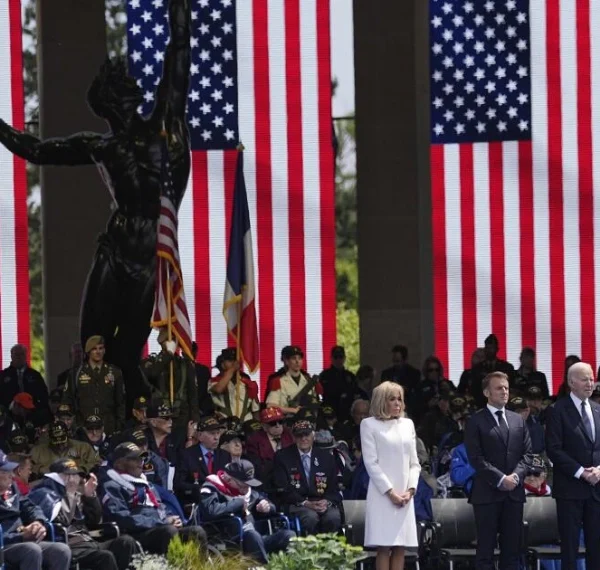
[320, 552]
[188, 556]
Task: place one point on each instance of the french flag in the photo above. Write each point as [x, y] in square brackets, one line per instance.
[239, 307]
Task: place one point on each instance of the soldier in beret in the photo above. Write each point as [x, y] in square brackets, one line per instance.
[306, 478]
[285, 388]
[233, 392]
[97, 388]
[59, 446]
[157, 371]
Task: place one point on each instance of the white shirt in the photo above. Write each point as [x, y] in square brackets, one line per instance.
[588, 410]
[494, 411]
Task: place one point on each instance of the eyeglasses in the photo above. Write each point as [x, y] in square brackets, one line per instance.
[276, 423]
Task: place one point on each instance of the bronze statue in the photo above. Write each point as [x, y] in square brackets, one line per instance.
[119, 293]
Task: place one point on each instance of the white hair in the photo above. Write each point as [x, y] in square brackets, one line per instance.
[579, 367]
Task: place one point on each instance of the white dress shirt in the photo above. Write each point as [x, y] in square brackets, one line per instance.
[588, 410]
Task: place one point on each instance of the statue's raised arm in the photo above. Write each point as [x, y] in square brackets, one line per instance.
[68, 151]
[173, 88]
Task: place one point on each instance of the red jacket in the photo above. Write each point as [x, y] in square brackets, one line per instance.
[259, 446]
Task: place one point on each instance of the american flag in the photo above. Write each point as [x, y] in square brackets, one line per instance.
[170, 309]
[260, 75]
[515, 91]
[14, 251]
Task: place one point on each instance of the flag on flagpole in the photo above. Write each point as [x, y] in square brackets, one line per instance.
[170, 309]
[239, 307]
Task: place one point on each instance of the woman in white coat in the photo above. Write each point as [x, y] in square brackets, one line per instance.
[389, 453]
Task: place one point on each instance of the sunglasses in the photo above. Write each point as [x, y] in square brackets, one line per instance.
[276, 423]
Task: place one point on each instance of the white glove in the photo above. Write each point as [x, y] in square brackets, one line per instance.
[171, 346]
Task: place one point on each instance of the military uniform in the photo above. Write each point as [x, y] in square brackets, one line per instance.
[98, 390]
[60, 446]
[285, 388]
[156, 369]
[240, 399]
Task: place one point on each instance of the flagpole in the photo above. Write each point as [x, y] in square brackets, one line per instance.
[237, 357]
[170, 336]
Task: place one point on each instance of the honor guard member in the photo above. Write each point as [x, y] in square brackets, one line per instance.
[98, 388]
[58, 446]
[291, 391]
[233, 392]
[339, 385]
[157, 371]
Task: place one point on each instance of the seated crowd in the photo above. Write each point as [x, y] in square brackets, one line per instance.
[196, 449]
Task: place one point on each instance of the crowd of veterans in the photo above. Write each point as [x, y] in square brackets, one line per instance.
[193, 448]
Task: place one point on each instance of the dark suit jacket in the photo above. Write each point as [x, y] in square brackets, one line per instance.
[291, 481]
[33, 383]
[191, 471]
[569, 448]
[492, 457]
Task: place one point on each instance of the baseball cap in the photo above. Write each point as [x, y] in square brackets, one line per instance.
[302, 427]
[5, 464]
[230, 435]
[64, 410]
[18, 442]
[534, 393]
[128, 450]
[517, 403]
[140, 403]
[93, 342]
[251, 426]
[66, 466]
[328, 412]
[243, 471]
[25, 400]
[58, 433]
[458, 404]
[159, 410]
[271, 414]
[93, 422]
[324, 439]
[209, 423]
[138, 437]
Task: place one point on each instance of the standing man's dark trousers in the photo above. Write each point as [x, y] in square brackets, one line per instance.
[504, 518]
[572, 515]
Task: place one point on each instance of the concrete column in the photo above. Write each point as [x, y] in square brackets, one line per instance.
[75, 204]
[394, 207]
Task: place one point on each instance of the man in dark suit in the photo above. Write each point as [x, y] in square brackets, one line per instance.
[197, 462]
[306, 477]
[573, 446]
[499, 449]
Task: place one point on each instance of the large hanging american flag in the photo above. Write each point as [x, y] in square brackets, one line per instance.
[14, 251]
[260, 75]
[515, 92]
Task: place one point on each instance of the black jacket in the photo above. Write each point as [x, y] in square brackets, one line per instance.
[492, 457]
[33, 383]
[191, 471]
[291, 481]
[569, 448]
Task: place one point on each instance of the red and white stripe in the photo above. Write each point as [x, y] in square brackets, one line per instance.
[284, 87]
[515, 225]
[14, 264]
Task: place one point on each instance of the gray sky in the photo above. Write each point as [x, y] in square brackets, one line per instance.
[342, 56]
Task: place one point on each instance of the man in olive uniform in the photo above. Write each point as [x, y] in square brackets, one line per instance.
[286, 388]
[59, 446]
[157, 370]
[233, 392]
[97, 388]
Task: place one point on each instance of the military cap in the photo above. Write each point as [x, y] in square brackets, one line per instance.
[534, 393]
[302, 427]
[284, 351]
[209, 423]
[140, 403]
[93, 342]
[338, 352]
[18, 442]
[58, 433]
[230, 435]
[138, 437]
[271, 414]
[328, 412]
[537, 462]
[159, 410]
[517, 403]
[93, 422]
[251, 426]
[229, 354]
[242, 470]
[458, 404]
[128, 450]
[290, 351]
[324, 439]
[66, 466]
[64, 410]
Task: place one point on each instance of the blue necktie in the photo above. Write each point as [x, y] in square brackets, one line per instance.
[306, 464]
[587, 425]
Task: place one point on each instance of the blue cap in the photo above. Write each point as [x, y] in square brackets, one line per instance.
[5, 464]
